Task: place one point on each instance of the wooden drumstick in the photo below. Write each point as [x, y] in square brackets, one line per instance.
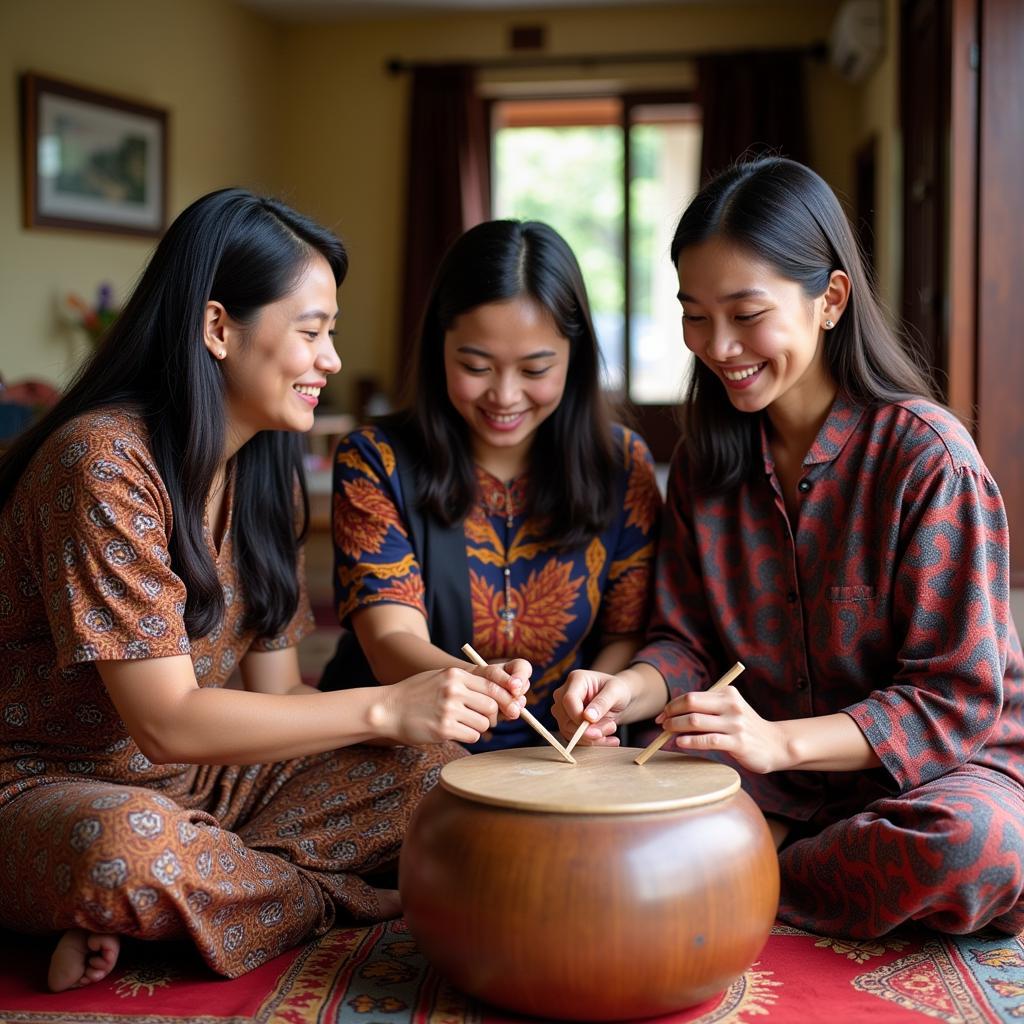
[580, 730]
[467, 649]
[651, 749]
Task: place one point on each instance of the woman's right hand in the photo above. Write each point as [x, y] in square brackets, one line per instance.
[599, 698]
[448, 704]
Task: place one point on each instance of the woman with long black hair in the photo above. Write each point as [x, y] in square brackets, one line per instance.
[834, 528]
[503, 507]
[150, 544]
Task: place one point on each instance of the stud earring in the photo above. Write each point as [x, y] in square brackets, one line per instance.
[221, 353]
[829, 324]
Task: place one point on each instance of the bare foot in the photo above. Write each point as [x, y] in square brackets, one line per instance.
[81, 958]
[389, 903]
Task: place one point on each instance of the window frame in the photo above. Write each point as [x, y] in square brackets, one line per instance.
[657, 422]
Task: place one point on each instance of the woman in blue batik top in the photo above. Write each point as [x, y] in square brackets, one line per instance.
[503, 507]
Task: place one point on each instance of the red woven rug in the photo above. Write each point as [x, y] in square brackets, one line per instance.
[377, 976]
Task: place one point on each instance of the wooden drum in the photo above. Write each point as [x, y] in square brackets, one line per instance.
[597, 891]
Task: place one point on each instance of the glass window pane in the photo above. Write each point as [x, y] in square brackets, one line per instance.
[665, 164]
[571, 178]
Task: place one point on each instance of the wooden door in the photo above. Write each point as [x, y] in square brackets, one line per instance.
[963, 248]
[924, 92]
[1000, 348]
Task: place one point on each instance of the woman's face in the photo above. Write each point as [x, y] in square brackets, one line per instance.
[275, 368]
[757, 331]
[505, 364]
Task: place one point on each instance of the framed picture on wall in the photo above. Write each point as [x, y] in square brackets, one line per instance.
[92, 161]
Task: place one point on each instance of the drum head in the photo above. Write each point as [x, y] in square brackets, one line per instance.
[603, 781]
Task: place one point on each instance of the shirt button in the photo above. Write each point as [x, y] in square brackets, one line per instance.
[791, 597]
[804, 486]
[801, 683]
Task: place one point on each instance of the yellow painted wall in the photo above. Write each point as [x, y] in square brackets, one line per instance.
[345, 131]
[308, 111]
[213, 65]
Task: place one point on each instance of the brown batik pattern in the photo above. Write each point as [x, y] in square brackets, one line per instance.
[245, 861]
[260, 862]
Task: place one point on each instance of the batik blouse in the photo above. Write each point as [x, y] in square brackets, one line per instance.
[85, 576]
[885, 597]
[546, 605]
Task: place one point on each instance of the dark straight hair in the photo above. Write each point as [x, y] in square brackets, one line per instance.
[786, 216]
[572, 464]
[243, 251]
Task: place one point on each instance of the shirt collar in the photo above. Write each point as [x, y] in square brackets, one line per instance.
[499, 498]
[837, 429]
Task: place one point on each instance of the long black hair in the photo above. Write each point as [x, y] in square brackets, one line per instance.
[785, 215]
[572, 464]
[243, 251]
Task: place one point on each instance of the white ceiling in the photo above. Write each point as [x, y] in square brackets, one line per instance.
[330, 10]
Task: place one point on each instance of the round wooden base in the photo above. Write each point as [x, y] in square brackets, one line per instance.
[532, 883]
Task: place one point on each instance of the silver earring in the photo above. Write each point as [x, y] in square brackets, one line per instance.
[829, 325]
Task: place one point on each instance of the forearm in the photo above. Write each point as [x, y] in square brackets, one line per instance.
[398, 655]
[649, 692]
[216, 726]
[830, 743]
[273, 672]
[300, 689]
[615, 655]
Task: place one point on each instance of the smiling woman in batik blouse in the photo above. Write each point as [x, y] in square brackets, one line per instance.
[151, 533]
[835, 529]
[503, 507]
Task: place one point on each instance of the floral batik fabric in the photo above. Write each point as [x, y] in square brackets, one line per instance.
[884, 597]
[544, 607]
[245, 861]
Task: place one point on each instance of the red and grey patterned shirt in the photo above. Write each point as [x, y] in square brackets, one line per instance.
[886, 597]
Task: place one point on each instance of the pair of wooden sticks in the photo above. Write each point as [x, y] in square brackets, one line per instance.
[566, 751]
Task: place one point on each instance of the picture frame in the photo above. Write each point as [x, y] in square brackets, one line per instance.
[92, 161]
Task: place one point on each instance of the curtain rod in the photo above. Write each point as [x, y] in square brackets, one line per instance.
[397, 66]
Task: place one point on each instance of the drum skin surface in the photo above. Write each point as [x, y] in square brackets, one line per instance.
[589, 910]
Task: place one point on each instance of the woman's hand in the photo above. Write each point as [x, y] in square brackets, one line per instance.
[605, 700]
[723, 721]
[599, 698]
[449, 704]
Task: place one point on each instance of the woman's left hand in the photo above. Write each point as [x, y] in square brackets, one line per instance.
[723, 721]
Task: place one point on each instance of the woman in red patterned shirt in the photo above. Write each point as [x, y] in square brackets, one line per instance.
[835, 529]
[150, 544]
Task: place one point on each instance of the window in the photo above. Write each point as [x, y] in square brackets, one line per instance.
[562, 161]
[611, 174]
[664, 169]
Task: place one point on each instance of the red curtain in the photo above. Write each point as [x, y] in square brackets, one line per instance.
[751, 103]
[448, 184]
